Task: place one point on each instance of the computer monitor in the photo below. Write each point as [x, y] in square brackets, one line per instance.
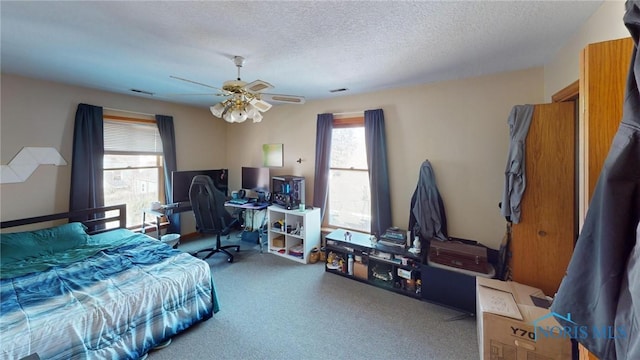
[181, 182]
[256, 179]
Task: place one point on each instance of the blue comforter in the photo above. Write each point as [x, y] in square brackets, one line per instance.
[128, 293]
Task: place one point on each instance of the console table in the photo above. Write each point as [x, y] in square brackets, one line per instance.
[389, 267]
[395, 269]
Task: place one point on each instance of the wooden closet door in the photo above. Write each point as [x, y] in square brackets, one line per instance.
[604, 67]
[542, 243]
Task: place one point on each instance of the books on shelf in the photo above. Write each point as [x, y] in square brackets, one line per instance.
[397, 244]
[297, 250]
[394, 237]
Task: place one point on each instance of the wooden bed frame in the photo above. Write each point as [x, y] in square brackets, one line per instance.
[94, 219]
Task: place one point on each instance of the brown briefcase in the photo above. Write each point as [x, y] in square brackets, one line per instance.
[460, 255]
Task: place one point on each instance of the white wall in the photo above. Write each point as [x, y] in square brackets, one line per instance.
[459, 126]
[605, 24]
[40, 113]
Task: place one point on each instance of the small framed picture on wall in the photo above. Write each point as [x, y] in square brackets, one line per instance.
[272, 155]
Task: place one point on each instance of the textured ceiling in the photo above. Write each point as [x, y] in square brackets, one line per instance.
[301, 47]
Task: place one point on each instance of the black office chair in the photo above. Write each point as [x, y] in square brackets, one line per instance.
[211, 216]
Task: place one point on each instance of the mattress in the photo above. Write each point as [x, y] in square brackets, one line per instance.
[118, 303]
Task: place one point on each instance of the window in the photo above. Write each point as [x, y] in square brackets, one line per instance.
[349, 200]
[133, 165]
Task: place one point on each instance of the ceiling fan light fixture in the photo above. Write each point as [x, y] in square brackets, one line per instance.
[251, 111]
[244, 100]
[257, 117]
[238, 115]
[217, 110]
[233, 86]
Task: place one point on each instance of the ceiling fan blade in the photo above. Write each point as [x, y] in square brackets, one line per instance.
[195, 94]
[279, 98]
[258, 86]
[201, 84]
[260, 104]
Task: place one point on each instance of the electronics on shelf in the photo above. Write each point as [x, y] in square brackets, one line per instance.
[287, 191]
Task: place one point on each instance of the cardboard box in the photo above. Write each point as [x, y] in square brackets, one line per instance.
[405, 274]
[360, 270]
[278, 242]
[512, 327]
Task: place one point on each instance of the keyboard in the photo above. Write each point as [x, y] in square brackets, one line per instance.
[238, 201]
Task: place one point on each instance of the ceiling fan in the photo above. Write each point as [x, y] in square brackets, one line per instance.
[245, 100]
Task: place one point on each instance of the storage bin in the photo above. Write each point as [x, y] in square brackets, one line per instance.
[170, 239]
[278, 242]
[360, 270]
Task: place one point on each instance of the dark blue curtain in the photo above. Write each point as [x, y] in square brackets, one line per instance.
[88, 152]
[168, 137]
[376, 144]
[324, 129]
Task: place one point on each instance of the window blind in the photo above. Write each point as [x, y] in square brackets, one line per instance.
[131, 137]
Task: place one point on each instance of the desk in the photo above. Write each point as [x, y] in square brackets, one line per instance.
[158, 214]
[252, 207]
[247, 206]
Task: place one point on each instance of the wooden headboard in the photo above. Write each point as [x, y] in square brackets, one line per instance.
[94, 219]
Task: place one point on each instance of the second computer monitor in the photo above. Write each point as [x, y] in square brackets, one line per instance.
[256, 179]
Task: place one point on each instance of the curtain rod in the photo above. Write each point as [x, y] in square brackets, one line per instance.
[352, 113]
[127, 111]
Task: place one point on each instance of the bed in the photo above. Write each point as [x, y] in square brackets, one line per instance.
[77, 290]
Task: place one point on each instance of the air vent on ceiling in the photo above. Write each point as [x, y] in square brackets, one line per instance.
[338, 90]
